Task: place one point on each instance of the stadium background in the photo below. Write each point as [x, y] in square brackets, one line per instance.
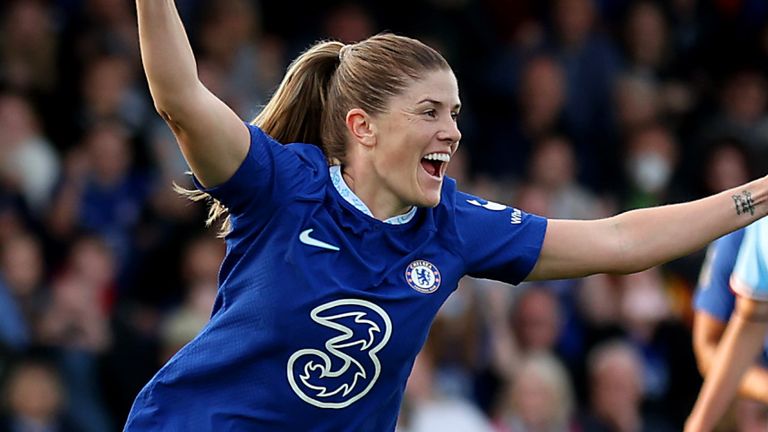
[572, 109]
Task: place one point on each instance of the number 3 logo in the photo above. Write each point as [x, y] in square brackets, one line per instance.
[348, 367]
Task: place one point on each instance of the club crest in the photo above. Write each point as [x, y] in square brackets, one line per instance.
[423, 276]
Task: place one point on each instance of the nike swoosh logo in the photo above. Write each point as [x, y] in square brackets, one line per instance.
[307, 240]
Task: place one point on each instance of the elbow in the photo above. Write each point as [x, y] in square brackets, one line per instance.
[164, 112]
[176, 113]
[167, 107]
[173, 103]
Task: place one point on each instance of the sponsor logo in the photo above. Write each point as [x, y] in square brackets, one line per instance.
[347, 366]
[305, 238]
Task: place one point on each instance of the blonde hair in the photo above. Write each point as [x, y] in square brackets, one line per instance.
[324, 83]
[555, 380]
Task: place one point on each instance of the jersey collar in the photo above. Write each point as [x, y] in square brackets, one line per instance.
[341, 186]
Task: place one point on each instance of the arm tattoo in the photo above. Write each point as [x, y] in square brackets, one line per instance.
[744, 203]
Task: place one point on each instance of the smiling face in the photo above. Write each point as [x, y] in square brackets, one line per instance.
[411, 145]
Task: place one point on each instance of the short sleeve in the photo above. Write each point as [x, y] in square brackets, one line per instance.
[750, 275]
[498, 242]
[713, 294]
[270, 174]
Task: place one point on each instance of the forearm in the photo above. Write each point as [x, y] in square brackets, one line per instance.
[656, 235]
[740, 344]
[754, 384]
[166, 54]
[640, 239]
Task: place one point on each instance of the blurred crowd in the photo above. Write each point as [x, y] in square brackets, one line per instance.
[572, 109]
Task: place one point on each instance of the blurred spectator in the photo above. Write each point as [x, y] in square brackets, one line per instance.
[651, 159]
[455, 343]
[650, 54]
[727, 163]
[82, 295]
[106, 27]
[616, 383]
[426, 409]
[591, 64]
[76, 324]
[200, 267]
[28, 162]
[662, 341]
[553, 167]
[101, 191]
[543, 320]
[237, 61]
[638, 102]
[35, 400]
[645, 35]
[22, 278]
[513, 129]
[539, 399]
[28, 47]
[535, 320]
[349, 23]
[110, 94]
[742, 112]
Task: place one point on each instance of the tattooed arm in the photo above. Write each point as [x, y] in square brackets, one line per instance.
[640, 239]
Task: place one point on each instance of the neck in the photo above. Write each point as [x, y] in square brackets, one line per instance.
[382, 204]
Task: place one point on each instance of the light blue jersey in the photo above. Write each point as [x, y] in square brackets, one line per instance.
[321, 308]
[750, 276]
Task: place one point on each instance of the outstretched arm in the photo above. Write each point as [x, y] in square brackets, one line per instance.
[740, 345]
[640, 239]
[212, 138]
[707, 334]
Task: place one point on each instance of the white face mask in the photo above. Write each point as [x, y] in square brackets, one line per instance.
[650, 172]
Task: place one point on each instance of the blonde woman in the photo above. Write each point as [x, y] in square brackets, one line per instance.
[344, 236]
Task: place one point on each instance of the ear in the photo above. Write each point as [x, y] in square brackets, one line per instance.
[360, 126]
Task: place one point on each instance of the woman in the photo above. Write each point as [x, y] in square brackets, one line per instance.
[333, 274]
[743, 338]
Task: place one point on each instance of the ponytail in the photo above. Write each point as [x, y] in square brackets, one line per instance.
[295, 111]
[325, 82]
[293, 114]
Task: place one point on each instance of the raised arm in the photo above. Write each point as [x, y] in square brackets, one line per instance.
[640, 239]
[212, 138]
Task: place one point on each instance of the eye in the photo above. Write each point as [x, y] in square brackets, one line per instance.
[431, 113]
[454, 115]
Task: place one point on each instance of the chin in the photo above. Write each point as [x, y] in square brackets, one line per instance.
[428, 195]
[430, 200]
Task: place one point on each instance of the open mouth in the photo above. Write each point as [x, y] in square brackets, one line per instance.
[435, 164]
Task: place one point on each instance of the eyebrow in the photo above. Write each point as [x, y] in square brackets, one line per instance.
[436, 102]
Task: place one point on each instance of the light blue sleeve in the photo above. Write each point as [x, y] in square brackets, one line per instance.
[750, 275]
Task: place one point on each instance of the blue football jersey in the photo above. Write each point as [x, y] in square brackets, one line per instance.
[321, 308]
[713, 293]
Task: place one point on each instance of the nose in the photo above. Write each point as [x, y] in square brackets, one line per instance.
[451, 133]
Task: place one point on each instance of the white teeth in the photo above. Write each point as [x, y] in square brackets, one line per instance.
[442, 157]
